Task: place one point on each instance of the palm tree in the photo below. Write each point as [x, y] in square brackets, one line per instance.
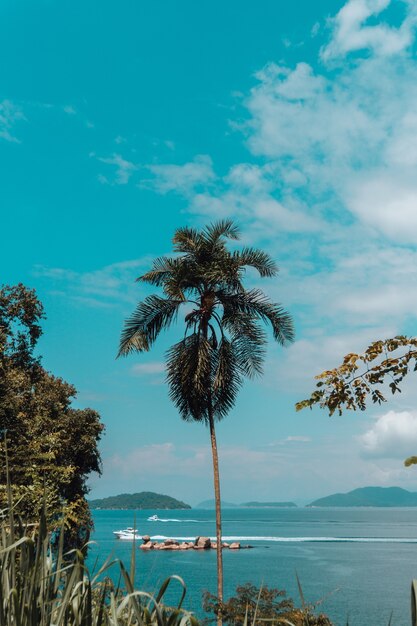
[224, 341]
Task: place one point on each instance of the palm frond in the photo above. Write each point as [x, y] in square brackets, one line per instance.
[249, 340]
[132, 341]
[162, 268]
[250, 355]
[226, 378]
[186, 239]
[223, 273]
[256, 303]
[189, 367]
[222, 228]
[257, 259]
[143, 327]
[205, 370]
[183, 278]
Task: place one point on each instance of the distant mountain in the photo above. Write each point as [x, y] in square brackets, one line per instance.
[370, 496]
[209, 504]
[268, 505]
[142, 500]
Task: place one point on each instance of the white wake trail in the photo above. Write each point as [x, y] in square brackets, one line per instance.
[301, 539]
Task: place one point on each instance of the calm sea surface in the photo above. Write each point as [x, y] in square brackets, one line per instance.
[360, 562]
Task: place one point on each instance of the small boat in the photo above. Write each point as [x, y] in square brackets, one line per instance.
[128, 534]
[130, 537]
[153, 518]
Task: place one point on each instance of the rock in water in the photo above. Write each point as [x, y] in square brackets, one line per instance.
[203, 543]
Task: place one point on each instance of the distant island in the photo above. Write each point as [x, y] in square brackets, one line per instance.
[210, 504]
[142, 500]
[370, 496]
[267, 505]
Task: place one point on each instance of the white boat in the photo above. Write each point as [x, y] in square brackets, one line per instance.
[128, 534]
[130, 537]
[153, 518]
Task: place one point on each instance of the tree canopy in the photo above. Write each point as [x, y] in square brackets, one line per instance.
[224, 339]
[52, 447]
[364, 377]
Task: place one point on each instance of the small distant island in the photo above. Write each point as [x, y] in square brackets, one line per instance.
[369, 496]
[268, 505]
[210, 504]
[142, 500]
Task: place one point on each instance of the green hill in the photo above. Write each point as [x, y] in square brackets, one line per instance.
[142, 500]
[209, 504]
[370, 496]
[268, 505]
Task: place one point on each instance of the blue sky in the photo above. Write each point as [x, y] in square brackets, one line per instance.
[121, 121]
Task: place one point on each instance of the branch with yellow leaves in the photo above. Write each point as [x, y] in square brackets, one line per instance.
[359, 377]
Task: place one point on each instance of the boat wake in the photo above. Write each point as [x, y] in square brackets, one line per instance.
[169, 519]
[301, 539]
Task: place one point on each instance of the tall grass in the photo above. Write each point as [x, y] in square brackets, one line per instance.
[41, 585]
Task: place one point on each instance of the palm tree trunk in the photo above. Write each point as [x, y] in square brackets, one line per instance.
[218, 514]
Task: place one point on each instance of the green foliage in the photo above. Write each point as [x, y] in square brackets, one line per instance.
[43, 586]
[224, 340]
[253, 605]
[142, 500]
[52, 447]
[360, 376]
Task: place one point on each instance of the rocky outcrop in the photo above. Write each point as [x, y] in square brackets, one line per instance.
[200, 543]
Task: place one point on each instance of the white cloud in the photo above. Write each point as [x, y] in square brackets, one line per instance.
[111, 285]
[296, 367]
[394, 435]
[348, 139]
[375, 287]
[290, 439]
[182, 179]
[387, 200]
[10, 113]
[298, 438]
[185, 470]
[124, 169]
[169, 144]
[159, 458]
[150, 368]
[69, 110]
[193, 464]
[350, 32]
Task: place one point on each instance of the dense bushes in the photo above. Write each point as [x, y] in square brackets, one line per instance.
[252, 605]
[52, 447]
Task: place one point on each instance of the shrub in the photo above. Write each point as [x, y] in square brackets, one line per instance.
[253, 605]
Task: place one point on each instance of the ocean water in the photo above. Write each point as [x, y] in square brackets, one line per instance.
[358, 563]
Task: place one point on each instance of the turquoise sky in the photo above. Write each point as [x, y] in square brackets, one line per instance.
[120, 121]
